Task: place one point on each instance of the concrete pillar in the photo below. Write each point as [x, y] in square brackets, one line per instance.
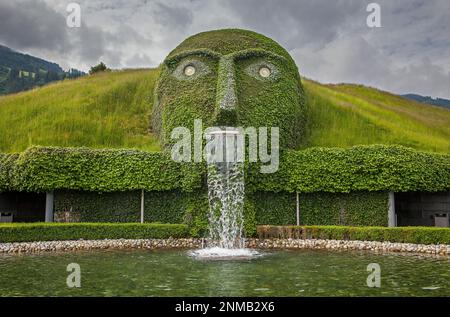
[49, 207]
[392, 216]
[298, 210]
[142, 206]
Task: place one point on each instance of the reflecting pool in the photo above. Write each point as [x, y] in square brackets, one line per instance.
[176, 273]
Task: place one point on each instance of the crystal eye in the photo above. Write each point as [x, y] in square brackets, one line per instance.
[264, 72]
[189, 70]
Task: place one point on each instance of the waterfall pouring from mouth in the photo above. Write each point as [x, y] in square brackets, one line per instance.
[226, 200]
[226, 192]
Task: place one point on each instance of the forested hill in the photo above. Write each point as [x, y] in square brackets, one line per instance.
[429, 100]
[20, 72]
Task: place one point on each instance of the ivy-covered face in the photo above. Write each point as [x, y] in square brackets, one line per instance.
[230, 78]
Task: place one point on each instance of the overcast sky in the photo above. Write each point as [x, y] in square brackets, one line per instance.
[329, 39]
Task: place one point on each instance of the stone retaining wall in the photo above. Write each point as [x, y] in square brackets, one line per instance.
[374, 246]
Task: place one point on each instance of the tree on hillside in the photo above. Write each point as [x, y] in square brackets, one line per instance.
[98, 68]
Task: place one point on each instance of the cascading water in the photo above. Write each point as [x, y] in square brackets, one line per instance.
[226, 204]
[226, 193]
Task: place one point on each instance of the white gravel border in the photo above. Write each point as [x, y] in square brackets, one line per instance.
[191, 243]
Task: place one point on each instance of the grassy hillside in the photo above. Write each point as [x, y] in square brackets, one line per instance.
[344, 115]
[113, 110]
[105, 110]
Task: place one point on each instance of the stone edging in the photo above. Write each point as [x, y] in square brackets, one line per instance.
[190, 243]
[75, 245]
[375, 246]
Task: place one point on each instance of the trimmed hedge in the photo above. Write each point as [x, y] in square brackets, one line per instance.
[359, 168]
[82, 206]
[262, 208]
[344, 209]
[419, 235]
[274, 208]
[162, 207]
[7, 165]
[27, 232]
[96, 231]
[335, 170]
[106, 170]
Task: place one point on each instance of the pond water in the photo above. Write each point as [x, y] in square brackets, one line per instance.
[175, 273]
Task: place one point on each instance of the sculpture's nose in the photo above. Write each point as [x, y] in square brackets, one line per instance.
[226, 98]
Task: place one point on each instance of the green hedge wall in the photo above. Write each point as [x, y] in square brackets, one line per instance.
[275, 208]
[89, 231]
[167, 207]
[352, 209]
[349, 209]
[106, 170]
[360, 168]
[98, 207]
[419, 235]
[164, 207]
[7, 165]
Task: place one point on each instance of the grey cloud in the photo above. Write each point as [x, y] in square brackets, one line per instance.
[139, 60]
[423, 78]
[90, 43]
[173, 16]
[32, 24]
[346, 59]
[93, 43]
[328, 39]
[298, 22]
[38, 27]
[355, 60]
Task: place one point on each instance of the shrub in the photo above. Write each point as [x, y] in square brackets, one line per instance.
[419, 235]
[334, 170]
[107, 170]
[18, 232]
[7, 164]
[360, 208]
[274, 208]
[101, 67]
[359, 168]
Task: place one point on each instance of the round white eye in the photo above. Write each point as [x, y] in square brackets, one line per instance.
[189, 70]
[264, 72]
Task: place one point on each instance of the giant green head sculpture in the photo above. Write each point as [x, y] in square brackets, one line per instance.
[230, 78]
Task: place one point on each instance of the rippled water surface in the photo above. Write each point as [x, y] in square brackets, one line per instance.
[176, 273]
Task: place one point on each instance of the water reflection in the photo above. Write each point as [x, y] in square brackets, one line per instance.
[175, 273]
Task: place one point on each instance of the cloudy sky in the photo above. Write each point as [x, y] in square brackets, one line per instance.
[329, 39]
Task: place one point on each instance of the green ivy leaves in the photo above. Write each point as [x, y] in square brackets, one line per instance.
[359, 168]
[49, 168]
[335, 170]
